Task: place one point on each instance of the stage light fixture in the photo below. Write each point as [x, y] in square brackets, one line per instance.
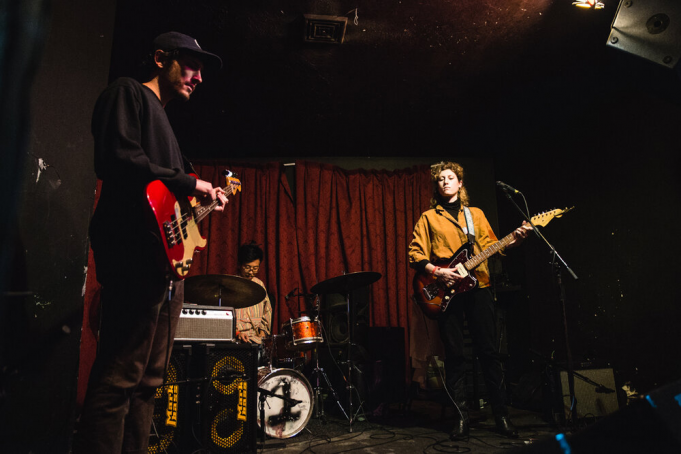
[588, 4]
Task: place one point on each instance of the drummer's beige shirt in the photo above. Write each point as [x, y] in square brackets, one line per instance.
[257, 319]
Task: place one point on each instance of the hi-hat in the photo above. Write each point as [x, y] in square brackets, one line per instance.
[346, 283]
[223, 290]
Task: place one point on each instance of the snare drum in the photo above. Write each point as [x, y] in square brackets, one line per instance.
[284, 420]
[302, 333]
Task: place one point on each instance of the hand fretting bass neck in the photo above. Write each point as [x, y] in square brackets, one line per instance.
[433, 296]
[177, 221]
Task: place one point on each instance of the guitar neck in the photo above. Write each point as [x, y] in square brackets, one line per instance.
[539, 220]
[201, 211]
[489, 252]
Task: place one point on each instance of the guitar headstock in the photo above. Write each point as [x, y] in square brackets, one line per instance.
[544, 218]
[232, 181]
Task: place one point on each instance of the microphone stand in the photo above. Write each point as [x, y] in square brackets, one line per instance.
[264, 394]
[558, 264]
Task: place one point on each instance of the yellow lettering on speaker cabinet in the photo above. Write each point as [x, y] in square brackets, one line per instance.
[243, 402]
[171, 409]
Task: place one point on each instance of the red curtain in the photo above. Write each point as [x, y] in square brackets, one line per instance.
[361, 220]
[341, 221]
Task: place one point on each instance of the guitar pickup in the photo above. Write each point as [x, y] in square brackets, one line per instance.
[184, 266]
[170, 236]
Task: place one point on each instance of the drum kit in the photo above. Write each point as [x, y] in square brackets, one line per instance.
[286, 398]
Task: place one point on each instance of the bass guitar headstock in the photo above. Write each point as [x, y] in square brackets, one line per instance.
[233, 183]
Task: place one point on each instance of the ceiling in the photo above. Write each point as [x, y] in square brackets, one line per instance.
[410, 78]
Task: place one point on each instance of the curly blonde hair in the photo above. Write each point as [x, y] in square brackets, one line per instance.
[436, 170]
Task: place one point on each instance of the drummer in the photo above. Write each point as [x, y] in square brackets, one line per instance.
[253, 323]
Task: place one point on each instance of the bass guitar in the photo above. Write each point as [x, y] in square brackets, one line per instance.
[177, 221]
[433, 297]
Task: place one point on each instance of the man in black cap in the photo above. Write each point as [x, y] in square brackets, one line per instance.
[140, 301]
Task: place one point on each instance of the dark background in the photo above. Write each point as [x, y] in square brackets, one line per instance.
[528, 87]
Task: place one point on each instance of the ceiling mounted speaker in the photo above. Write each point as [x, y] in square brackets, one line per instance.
[650, 29]
[324, 29]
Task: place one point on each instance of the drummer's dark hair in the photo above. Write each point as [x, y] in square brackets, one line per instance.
[249, 252]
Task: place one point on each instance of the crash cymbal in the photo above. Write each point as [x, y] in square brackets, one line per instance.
[214, 289]
[346, 283]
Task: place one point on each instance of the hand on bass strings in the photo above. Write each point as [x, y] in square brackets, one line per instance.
[205, 193]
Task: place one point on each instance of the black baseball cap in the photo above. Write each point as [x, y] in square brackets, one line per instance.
[173, 40]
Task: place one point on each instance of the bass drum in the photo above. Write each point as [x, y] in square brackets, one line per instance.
[284, 419]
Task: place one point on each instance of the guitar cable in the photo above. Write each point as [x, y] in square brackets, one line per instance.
[442, 378]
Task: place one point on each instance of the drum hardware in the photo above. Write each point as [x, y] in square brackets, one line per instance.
[344, 284]
[319, 373]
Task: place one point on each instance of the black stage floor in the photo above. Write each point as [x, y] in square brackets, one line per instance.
[423, 429]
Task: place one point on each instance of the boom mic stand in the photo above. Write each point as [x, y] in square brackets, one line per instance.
[558, 265]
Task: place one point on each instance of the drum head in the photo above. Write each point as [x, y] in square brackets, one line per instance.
[284, 419]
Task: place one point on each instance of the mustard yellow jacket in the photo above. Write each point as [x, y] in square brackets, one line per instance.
[436, 237]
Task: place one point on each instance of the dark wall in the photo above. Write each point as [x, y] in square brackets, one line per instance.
[621, 178]
[57, 195]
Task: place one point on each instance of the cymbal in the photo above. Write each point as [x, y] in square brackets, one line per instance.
[231, 291]
[346, 283]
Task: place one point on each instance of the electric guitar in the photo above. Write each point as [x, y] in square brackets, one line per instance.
[433, 296]
[177, 221]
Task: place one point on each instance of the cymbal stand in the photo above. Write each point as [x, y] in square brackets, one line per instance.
[350, 362]
[318, 372]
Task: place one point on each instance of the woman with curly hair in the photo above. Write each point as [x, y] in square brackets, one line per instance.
[439, 233]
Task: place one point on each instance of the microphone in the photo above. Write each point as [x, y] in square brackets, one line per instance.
[506, 187]
[227, 372]
[290, 294]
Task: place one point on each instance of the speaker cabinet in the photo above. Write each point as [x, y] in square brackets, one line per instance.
[228, 402]
[592, 401]
[171, 421]
[335, 315]
[387, 369]
[209, 401]
[648, 29]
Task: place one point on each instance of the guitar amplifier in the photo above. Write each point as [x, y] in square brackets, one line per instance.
[206, 323]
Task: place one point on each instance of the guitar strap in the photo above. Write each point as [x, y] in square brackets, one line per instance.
[469, 225]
